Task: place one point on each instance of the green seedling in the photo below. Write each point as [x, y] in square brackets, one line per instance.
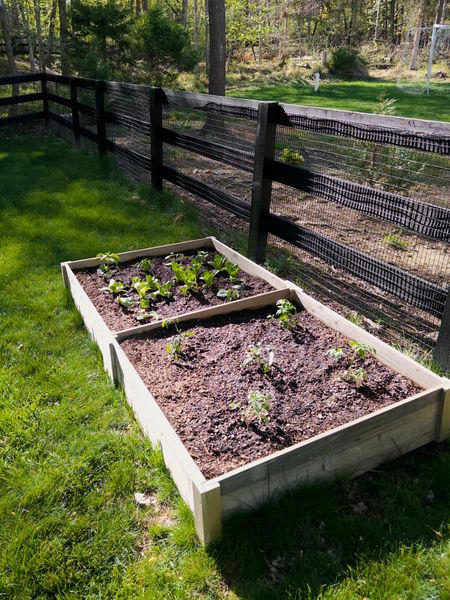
[125, 301]
[174, 257]
[107, 261]
[358, 375]
[208, 278]
[141, 314]
[336, 353]
[143, 288]
[232, 270]
[187, 276]
[175, 346]
[163, 290]
[218, 263]
[262, 356]
[257, 409]
[395, 240]
[285, 313]
[291, 157]
[114, 287]
[146, 265]
[197, 263]
[229, 295]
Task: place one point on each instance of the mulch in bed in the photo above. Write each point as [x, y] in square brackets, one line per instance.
[308, 392]
[117, 317]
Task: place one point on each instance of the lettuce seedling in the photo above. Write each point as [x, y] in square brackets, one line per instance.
[257, 409]
[218, 263]
[141, 314]
[232, 270]
[163, 290]
[208, 278]
[114, 287]
[187, 276]
[125, 301]
[228, 295]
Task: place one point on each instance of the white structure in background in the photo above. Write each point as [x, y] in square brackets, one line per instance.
[423, 48]
[316, 82]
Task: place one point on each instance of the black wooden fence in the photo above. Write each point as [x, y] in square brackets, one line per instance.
[91, 108]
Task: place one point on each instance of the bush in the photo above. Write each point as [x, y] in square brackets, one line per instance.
[347, 63]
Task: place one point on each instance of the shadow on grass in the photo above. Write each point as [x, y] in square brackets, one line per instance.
[311, 538]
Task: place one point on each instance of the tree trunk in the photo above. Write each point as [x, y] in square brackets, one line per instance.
[26, 24]
[196, 33]
[145, 5]
[51, 34]
[63, 35]
[184, 12]
[207, 37]
[40, 44]
[138, 7]
[216, 12]
[441, 10]
[5, 28]
[416, 43]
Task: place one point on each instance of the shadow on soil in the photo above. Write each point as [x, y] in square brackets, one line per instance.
[309, 539]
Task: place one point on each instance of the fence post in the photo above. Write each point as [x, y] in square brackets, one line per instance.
[45, 98]
[100, 111]
[156, 104]
[262, 185]
[441, 352]
[75, 111]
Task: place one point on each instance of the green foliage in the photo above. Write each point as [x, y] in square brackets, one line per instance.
[187, 276]
[396, 240]
[218, 263]
[291, 157]
[115, 287]
[176, 345]
[164, 46]
[107, 261]
[146, 265]
[285, 313]
[385, 104]
[256, 410]
[208, 277]
[261, 356]
[125, 301]
[336, 353]
[358, 375]
[229, 294]
[346, 63]
[100, 38]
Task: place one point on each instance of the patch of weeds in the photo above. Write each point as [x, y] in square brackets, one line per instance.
[291, 157]
[285, 313]
[396, 240]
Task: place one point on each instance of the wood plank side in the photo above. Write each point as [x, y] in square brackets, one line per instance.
[386, 354]
[182, 467]
[349, 450]
[251, 303]
[95, 325]
[153, 251]
[443, 429]
[208, 511]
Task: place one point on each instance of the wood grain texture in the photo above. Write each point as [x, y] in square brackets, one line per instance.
[349, 450]
[208, 511]
[443, 429]
[182, 467]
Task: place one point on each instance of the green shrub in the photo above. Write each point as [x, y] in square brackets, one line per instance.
[346, 63]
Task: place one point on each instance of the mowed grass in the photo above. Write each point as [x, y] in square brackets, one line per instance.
[72, 456]
[361, 96]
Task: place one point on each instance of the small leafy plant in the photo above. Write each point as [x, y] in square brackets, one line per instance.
[141, 314]
[257, 409]
[163, 290]
[218, 263]
[229, 294]
[262, 356]
[114, 287]
[285, 313]
[358, 375]
[125, 301]
[146, 265]
[395, 240]
[208, 277]
[232, 270]
[336, 353]
[291, 157]
[176, 344]
[107, 261]
[187, 276]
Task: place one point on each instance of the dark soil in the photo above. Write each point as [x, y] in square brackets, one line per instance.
[117, 317]
[308, 392]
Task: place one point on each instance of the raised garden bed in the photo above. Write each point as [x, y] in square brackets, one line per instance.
[317, 398]
[134, 288]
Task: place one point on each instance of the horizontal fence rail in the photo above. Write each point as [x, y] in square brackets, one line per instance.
[139, 124]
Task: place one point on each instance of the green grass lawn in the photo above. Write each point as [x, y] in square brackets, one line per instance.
[359, 96]
[72, 456]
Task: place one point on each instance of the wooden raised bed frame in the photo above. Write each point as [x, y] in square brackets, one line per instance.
[348, 450]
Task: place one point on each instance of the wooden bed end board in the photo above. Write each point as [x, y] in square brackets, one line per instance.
[250, 303]
[385, 353]
[181, 465]
[349, 450]
[95, 325]
[246, 264]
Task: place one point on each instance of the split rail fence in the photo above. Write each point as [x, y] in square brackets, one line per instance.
[362, 200]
